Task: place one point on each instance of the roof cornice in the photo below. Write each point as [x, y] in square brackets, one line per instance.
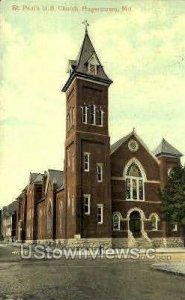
[86, 77]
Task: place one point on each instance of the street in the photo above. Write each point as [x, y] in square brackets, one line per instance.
[84, 279]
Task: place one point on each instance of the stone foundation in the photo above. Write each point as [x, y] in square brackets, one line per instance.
[108, 242]
[120, 243]
[78, 242]
[172, 242]
[158, 242]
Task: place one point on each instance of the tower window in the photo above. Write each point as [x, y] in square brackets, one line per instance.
[99, 170]
[68, 200]
[73, 204]
[84, 114]
[86, 204]
[68, 158]
[93, 114]
[99, 117]
[86, 161]
[68, 121]
[92, 69]
[100, 213]
[73, 163]
[73, 115]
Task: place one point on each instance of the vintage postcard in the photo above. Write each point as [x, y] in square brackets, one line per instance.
[92, 126]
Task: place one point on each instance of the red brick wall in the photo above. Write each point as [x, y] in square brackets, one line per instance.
[151, 204]
[87, 138]
[60, 215]
[21, 215]
[41, 213]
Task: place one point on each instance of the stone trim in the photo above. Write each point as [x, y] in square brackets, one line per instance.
[146, 181]
[89, 80]
[140, 201]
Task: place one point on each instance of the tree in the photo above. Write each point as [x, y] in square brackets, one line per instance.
[173, 197]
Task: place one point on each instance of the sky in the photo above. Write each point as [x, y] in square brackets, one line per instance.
[142, 49]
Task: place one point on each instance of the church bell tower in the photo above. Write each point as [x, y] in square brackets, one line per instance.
[87, 147]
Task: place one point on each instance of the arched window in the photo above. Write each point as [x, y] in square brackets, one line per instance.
[99, 116]
[116, 221]
[154, 222]
[84, 109]
[93, 114]
[60, 215]
[49, 218]
[134, 183]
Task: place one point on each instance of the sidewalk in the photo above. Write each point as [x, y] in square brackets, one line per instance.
[177, 268]
[157, 255]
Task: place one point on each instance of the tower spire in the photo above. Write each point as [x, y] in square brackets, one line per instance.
[86, 24]
[86, 58]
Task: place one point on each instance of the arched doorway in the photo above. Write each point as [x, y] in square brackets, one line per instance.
[135, 223]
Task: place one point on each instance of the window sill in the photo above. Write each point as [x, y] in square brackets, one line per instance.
[135, 200]
[101, 126]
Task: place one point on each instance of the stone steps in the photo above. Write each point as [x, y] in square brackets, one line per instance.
[143, 243]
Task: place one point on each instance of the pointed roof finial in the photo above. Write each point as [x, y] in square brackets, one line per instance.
[86, 24]
[134, 130]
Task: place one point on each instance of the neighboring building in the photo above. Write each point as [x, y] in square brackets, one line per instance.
[40, 207]
[49, 205]
[1, 235]
[107, 195]
[9, 221]
[22, 215]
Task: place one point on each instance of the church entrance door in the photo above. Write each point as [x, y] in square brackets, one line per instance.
[135, 224]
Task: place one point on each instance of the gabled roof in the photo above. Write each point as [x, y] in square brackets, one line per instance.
[79, 67]
[166, 149]
[38, 179]
[33, 176]
[10, 209]
[56, 177]
[117, 144]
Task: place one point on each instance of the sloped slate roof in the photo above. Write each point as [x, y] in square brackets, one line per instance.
[56, 177]
[80, 68]
[116, 145]
[10, 209]
[38, 179]
[87, 50]
[33, 176]
[167, 149]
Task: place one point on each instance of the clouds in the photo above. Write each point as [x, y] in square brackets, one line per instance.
[142, 51]
[145, 57]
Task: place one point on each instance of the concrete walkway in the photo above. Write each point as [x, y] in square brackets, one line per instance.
[177, 268]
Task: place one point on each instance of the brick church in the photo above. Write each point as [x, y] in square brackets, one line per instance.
[106, 195]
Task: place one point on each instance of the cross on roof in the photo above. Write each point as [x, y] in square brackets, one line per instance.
[86, 24]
